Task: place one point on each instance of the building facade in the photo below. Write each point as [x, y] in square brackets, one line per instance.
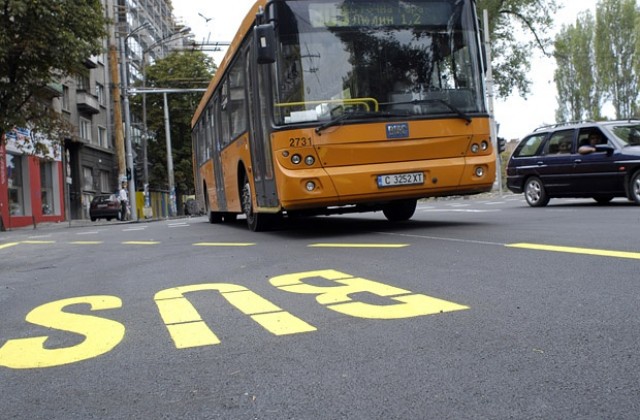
[31, 184]
[61, 184]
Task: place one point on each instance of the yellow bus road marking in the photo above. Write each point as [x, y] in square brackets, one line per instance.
[38, 242]
[9, 245]
[140, 243]
[87, 242]
[224, 244]
[575, 250]
[330, 245]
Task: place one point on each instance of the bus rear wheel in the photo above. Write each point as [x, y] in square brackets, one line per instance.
[399, 211]
[257, 222]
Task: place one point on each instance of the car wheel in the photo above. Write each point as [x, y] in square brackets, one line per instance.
[634, 188]
[534, 193]
[93, 219]
[399, 211]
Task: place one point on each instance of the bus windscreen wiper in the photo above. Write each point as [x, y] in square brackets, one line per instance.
[357, 114]
[456, 110]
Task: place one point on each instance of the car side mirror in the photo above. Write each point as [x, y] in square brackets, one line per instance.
[606, 148]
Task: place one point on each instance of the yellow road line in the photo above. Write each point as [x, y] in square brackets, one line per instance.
[224, 244]
[140, 243]
[8, 245]
[38, 242]
[330, 245]
[574, 250]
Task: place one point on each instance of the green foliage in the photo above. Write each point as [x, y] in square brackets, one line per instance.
[40, 42]
[580, 94]
[517, 27]
[598, 62]
[616, 43]
[182, 70]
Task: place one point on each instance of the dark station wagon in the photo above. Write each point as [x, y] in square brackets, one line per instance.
[599, 160]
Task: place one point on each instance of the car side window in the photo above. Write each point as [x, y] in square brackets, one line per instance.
[591, 137]
[530, 145]
[559, 143]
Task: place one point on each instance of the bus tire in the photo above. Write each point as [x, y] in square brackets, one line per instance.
[399, 211]
[215, 217]
[257, 222]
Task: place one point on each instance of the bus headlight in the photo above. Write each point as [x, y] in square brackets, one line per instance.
[484, 145]
[296, 159]
[309, 160]
[479, 171]
[310, 186]
[475, 148]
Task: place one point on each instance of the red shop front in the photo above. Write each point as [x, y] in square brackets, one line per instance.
[31, 184]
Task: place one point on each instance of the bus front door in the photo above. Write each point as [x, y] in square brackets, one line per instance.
[259, 139]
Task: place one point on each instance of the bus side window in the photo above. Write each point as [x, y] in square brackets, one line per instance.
[237, 104]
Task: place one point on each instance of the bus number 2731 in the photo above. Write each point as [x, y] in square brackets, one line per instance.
[300, 142]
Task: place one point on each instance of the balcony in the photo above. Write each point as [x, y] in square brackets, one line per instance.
[91, 62]
[87, 103]
[51, 90]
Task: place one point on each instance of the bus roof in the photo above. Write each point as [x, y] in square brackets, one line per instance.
[244, 28]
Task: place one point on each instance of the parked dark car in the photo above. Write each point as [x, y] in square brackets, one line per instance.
[599, 160]
[105, 206]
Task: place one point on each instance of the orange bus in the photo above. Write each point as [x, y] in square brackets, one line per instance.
[336, 106]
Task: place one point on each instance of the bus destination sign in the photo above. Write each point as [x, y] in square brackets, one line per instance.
[377, 14]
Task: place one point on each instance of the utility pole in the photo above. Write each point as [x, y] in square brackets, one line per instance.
[490, 95]
[117, 112]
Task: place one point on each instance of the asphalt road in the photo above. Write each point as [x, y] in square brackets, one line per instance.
[477, 308]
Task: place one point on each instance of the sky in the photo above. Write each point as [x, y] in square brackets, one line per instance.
[517, 117]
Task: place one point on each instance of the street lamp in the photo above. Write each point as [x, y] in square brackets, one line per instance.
[127, 116]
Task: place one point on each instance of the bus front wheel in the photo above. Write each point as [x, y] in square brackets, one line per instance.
[399, 211]
[257, 222]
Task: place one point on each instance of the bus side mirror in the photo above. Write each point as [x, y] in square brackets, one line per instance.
[266, 43]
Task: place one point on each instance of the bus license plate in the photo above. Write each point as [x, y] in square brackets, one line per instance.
[394, 180]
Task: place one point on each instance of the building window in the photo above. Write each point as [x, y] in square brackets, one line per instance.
[105, 183]
[17, 178]
[101, 94]
[82, 83]
[85, 129]
[103, 140]
[65, 98]
[87, 178]
[49, 188]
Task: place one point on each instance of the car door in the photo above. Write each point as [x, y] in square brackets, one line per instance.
[555, 164]
[597, 172]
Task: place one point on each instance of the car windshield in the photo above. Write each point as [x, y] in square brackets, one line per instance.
[415, 57]
[628, 134]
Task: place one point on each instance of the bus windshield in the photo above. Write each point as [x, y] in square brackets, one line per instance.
[377, 57]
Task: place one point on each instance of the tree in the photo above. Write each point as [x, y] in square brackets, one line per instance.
[616, 50]
[517, 27]
[580, 93]
[41, 42]
[598, 62]
[184, 70]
